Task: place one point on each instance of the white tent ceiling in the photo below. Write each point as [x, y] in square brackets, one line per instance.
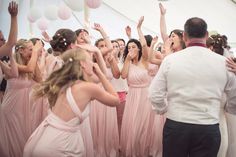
[219, 14]
[114, 15]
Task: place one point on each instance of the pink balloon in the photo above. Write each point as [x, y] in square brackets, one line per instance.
[30, 19]
[43, 24]
[64, 12]
[93, 3]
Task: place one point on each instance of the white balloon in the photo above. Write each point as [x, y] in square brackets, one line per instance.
[35, 13]
[51, 12]
[76, 5]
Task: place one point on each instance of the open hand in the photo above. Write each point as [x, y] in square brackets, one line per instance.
[162, 9]
[13, 8]
[97, 27]
[231, 65]
[128, 31]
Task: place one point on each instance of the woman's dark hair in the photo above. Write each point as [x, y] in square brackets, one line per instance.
[78, 31]
[62, 39]
[148, 39]
[120, 39]
[217, 42]
[225, 40]
[97, 41]
[127, 51]
[179, 33]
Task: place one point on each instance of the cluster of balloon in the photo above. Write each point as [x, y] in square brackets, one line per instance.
[53, 12]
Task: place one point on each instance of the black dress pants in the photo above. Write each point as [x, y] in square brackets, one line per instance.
[190, 140]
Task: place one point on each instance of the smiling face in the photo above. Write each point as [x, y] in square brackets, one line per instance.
[26, 51]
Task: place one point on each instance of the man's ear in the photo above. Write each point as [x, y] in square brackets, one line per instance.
[207, 35]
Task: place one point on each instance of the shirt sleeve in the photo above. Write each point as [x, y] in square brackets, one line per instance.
[230, 91]
[158, 89]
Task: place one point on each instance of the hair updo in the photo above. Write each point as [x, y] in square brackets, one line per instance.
[62, 39]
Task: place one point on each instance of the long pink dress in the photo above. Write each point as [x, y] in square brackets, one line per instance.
[57, 138]
[141, 130]
[104, 128]
[15, 117]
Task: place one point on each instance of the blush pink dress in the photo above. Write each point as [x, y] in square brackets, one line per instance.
[104, 126]
[57, 138]
[141, 129]
[15, 117]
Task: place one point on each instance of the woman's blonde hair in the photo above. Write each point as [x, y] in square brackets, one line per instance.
[63, 77]
[21, 45]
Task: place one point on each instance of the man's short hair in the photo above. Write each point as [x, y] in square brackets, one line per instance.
[195, 27]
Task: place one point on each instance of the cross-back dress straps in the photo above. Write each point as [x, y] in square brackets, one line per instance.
[73, 104]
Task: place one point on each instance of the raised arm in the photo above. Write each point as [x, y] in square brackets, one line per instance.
[125, 69]
[6, 49]
[46, 37]
[42, 61]
[142, 39]
[164, 34]
[109, 96]
[30, 67]
[155, 57]
[106, 38]
[114, 66]
[37, 74]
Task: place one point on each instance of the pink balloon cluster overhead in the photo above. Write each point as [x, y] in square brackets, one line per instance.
[64, 12]
[93, 3]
